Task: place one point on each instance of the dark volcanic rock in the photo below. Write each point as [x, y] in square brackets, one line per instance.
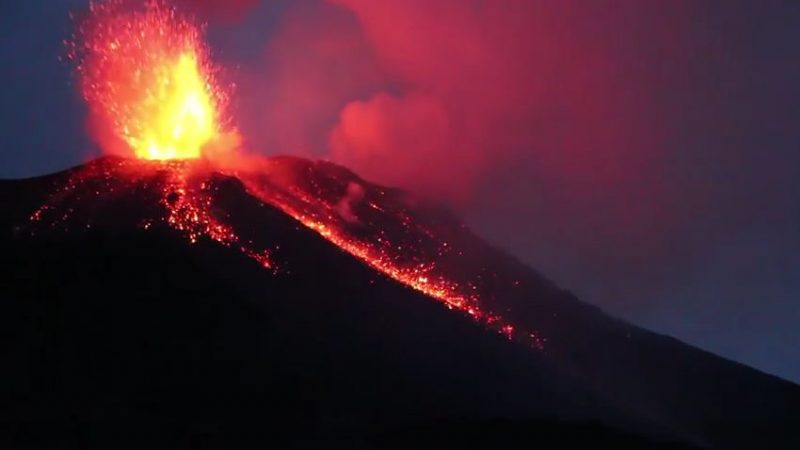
[114, 336]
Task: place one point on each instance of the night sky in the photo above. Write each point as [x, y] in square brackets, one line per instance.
[643, 154]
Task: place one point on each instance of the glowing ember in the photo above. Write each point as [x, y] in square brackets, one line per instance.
[188, 206]
[146, 75]
[183, 201]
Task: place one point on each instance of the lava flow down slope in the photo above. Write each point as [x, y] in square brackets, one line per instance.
[142, 294]
[179, 293]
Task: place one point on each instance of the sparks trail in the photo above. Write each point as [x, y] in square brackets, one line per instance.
[188, 206]
[379, 231]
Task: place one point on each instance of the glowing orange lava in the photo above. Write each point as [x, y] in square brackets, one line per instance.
[188, 205]
[146, 74]
[420, 273]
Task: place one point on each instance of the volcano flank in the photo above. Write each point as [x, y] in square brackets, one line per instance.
[296, 305]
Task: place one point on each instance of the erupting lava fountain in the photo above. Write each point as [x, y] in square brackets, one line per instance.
[147, 76]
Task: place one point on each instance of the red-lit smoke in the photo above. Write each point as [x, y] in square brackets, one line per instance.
[550, 117]
[432, 95]
[226, 11]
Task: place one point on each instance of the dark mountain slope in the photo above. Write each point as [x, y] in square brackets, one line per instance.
[657, 377]
[135, 340]
[118, 335]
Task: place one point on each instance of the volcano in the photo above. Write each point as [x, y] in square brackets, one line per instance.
[171, 304]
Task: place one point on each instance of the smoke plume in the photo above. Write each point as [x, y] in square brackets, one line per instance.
[603, 142]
